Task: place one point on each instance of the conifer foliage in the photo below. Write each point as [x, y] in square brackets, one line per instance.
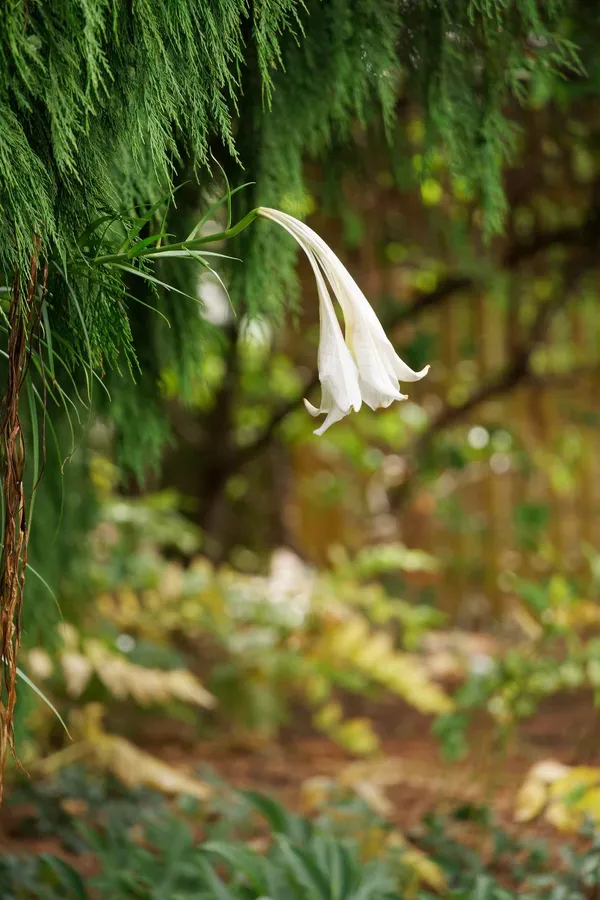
[105, 104]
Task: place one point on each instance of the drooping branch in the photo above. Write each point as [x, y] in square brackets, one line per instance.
[517, 372]
[247, 452]
[514, 256]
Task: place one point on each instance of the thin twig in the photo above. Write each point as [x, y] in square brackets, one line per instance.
[517, 371]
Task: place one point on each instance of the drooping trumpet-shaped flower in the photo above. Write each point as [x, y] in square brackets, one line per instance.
[362, 365]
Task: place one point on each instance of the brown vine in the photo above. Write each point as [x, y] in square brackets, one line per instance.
[24, 320]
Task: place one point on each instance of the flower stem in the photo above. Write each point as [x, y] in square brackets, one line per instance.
[182, 245]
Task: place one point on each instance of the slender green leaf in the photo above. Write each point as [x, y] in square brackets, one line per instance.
[35, 445]
[69, 878]
[241, 860]
[152, 278]
[141, 246]
[217, 887]
[48, 334]
[42, 696]
[308, 874]
[212, 209]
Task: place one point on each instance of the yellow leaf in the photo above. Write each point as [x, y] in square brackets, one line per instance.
[40, 664]
[575, 782]
[77, 670]
[185, 686]
[425, 868]
[563, 817]
[589, 804]
[315, 793]
[317, 688]
[350, 636]
[375, 798]
[357, 736]
[406, 676]
[530, 800]
[372, 842]
[126, 679]
[171, 582]
[128, 605]
[572, 794]
[382, 772]
[69, 635]
[328, 716]
[529, 625]
[87, 722]
[375, 650]
[549, 770]
[135, 767]
[367, 780]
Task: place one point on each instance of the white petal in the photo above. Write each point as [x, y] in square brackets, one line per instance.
[376, 399]
[376, 351]
[354, 303]
[371, 369]
[312, 410]
[337, 370]
[404, 372]
[338, 373]
[334, 415]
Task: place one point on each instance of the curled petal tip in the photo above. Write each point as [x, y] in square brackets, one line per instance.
[406, 374]
[313, 411]
[334, 415]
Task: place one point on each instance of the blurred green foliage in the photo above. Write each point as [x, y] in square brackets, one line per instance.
[557, 653]
[246, 845]
[164, 616]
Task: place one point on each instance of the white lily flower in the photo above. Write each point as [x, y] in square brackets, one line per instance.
[361, 366]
